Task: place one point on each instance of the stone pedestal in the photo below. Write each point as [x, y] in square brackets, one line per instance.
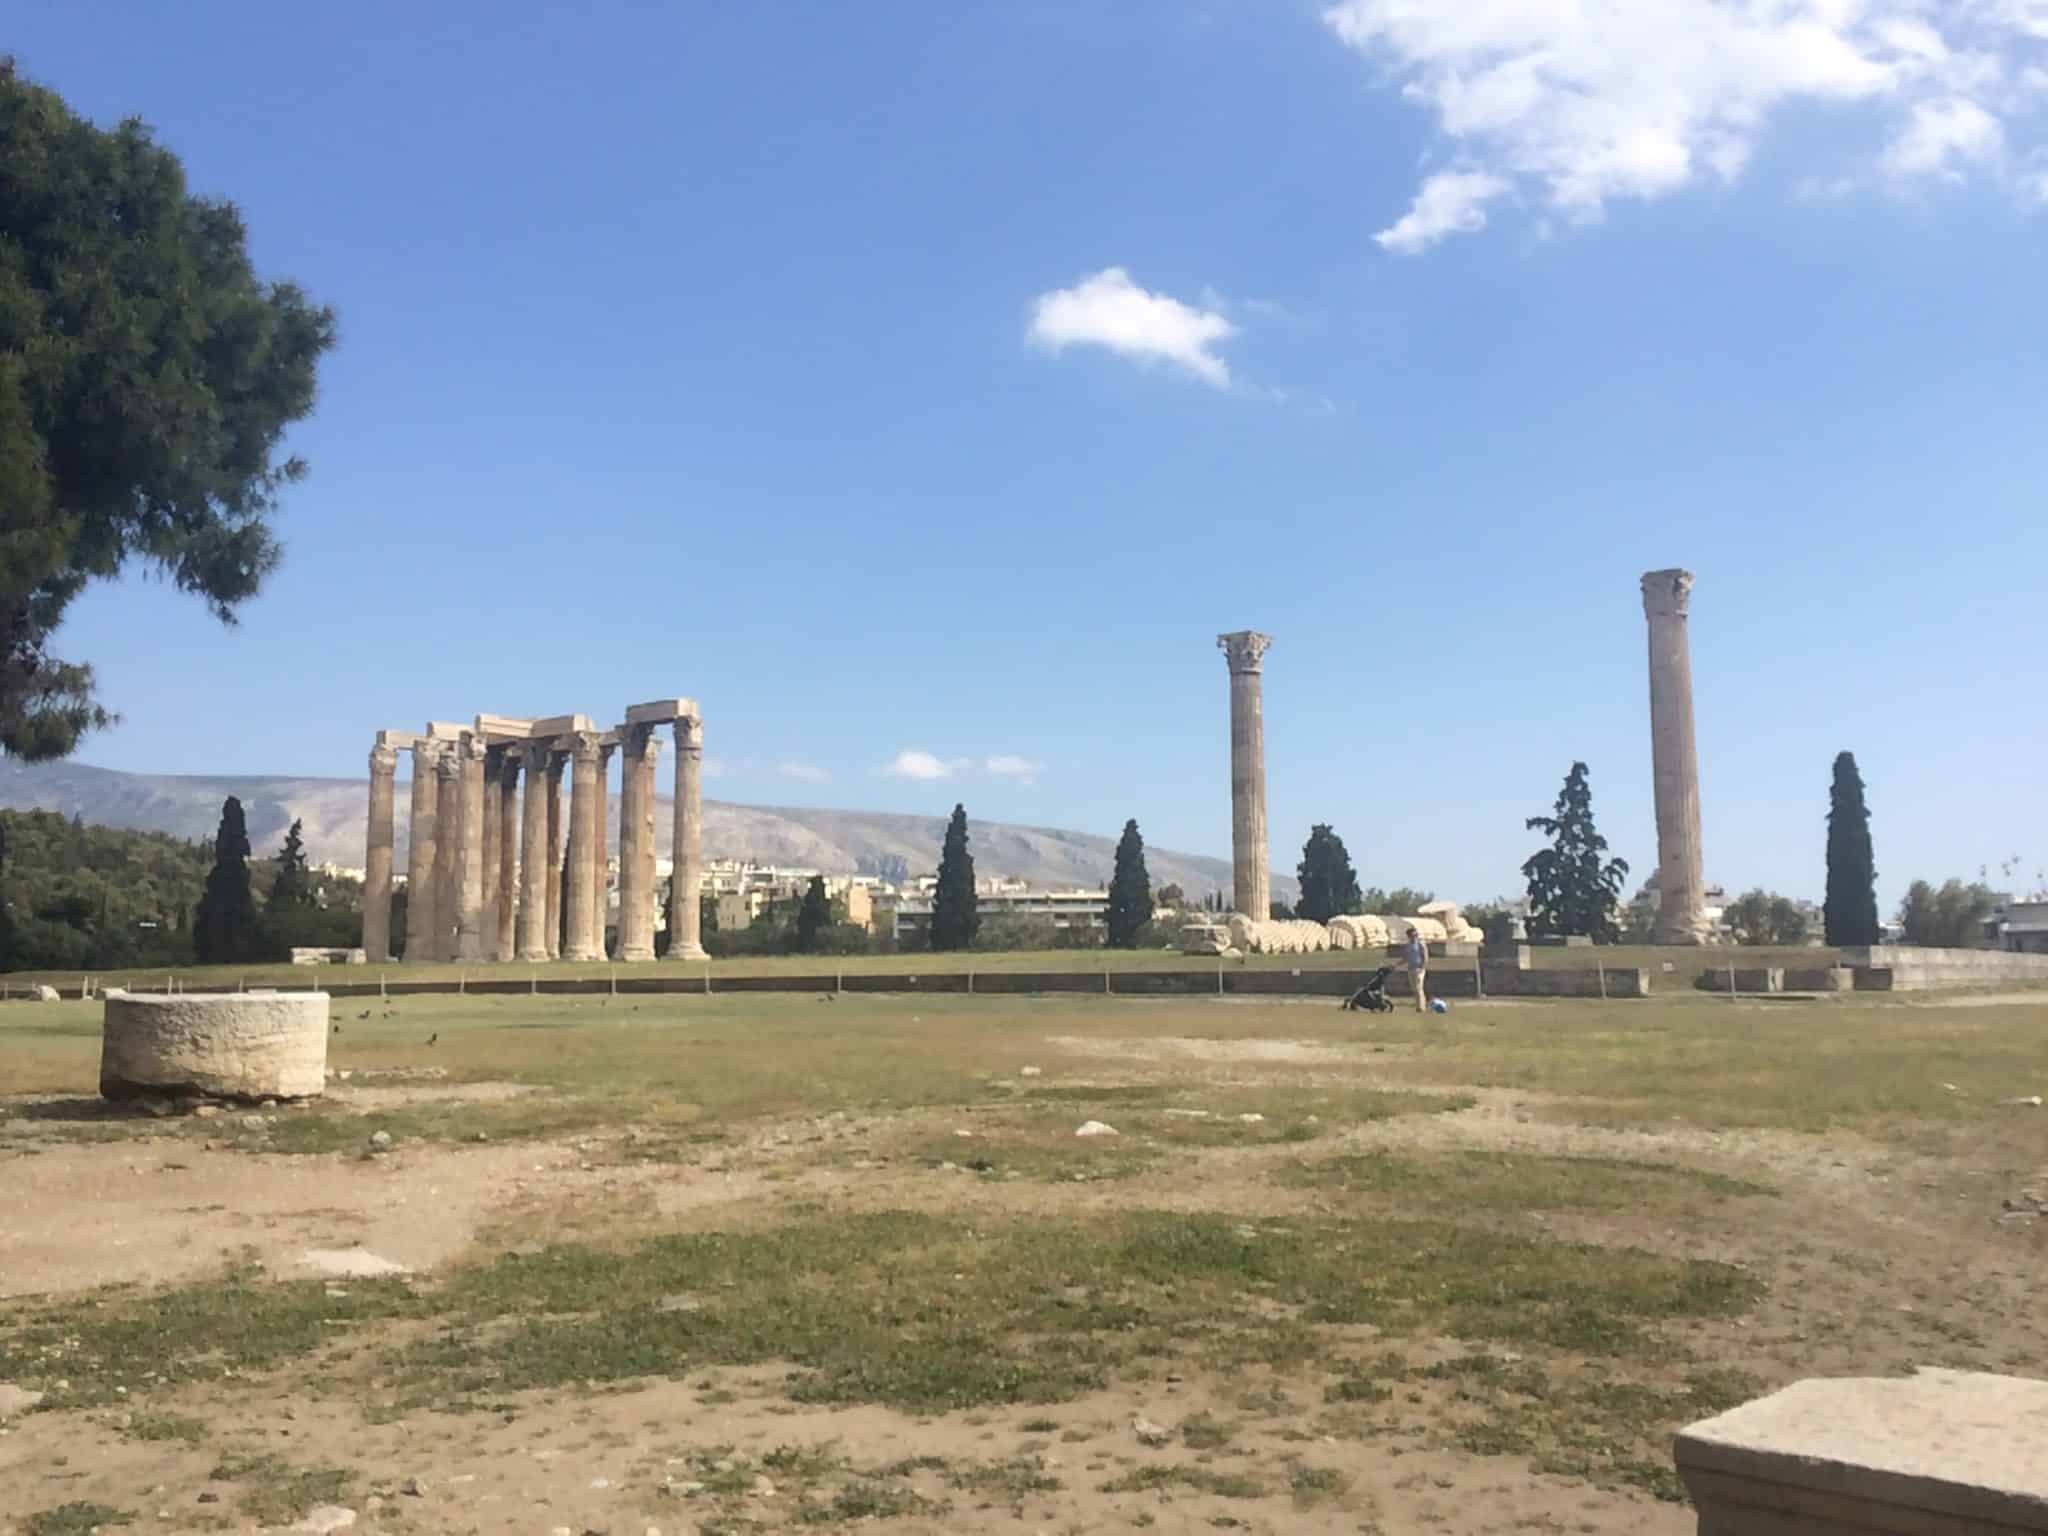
[686, 876]
[1674, 762]
[582, 836]
[377, 854]
[507, 945]
[469, 853]
[419, 867]
[533, 856]
[219, 1045]
[1940, 1453]
[1251, 874]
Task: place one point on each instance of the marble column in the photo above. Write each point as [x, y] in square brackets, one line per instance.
[686, 844]
[507, 946]
[377, 856]
[556, 762]
[494, 796]
[1674, 763]
[533, 856]
[1251, 871]
[636, 840]
[582, 835]
[447, 840]
[469, 853]
[600, 857]
[651, 893]
[419, 864]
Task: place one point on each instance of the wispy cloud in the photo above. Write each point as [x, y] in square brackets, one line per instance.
[716, 767]
[809, 773]
[914, 764]
[1109, 310]
[1573, 106]
[1008, 765]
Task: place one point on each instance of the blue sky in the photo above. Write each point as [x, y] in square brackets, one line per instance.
[940, 380]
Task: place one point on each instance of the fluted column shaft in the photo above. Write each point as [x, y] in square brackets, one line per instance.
[447, 842]
[600, 857]
[582, 835]
[1674, 763]
[469, 853]
[533, 858]
[686, 844]
[1251, 870]
[494, 795]
[556, 763]
[507, 946]
[419, 865]
[636, 845]
[377, 855]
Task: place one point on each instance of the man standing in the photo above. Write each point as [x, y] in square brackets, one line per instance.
[1416, 954]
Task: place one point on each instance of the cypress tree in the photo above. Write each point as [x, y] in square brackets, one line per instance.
[294, 884]
[813, 917]
[1130, 891]
[224, 928]
[1571, 891]
[955, 914]
[1329, 885]
[1849, 915]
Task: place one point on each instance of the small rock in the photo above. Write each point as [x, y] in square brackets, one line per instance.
[600, 1483]
[763, 1488]
[1096, 1128]
[209, 1497]
[1252, 1119]
[412, 1487]
[1032, 1072]
[1149, 1433]
[254, 1122]
[325, 1518]
[380, 1141]
[560, 1530]
[679, 1303]
[689, 1488]
[968, 1134]
[2029, 1101]
[205, 1111]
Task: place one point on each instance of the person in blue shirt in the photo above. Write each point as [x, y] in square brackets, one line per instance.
[1415, 954]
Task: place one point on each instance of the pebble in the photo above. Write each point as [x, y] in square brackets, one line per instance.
[1032, 1072]
[323, 1519]
[1252, 1119]
[380, 1141]
[1149, 1433]
[1096, 1128]
[413, 1487]
[600, 1483]
[763, 1488]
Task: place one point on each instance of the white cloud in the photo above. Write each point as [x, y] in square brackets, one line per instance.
[1008, 765]
[1578, 102]
[810, 773]
[913, 764]
[1942, 133]
[1453, 203]
[1109, 310]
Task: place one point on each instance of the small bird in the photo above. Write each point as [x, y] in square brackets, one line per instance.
[433, 1037]
[337, 1029]
[364, 1014]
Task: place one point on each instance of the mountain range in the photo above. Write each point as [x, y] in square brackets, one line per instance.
[333, 814]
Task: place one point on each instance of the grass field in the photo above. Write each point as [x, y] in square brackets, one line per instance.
[774, 1262]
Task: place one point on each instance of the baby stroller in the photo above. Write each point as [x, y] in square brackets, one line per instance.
[1372, 997]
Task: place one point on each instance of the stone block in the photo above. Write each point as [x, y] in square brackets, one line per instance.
[1751, 979]
[1826, 978]
[661, 711]
[240, 1045]
[1939, 1453]
[1872, 978]
[1577, 941]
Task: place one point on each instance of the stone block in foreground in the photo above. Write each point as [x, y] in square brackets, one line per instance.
[234, 1045]
[1940, 1453]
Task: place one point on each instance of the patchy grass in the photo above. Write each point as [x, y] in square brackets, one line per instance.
[166, 1426]
[1504, 1181]
[1164, 1477]
[79, 1519]
[1206, 1432]
[1312, 1485]
[272, 1491]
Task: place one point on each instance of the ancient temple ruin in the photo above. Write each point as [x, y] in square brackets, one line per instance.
[486, 877]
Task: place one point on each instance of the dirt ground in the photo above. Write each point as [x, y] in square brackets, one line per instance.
[1883, 1248]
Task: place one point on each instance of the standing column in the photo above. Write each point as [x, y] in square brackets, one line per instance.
[469, 853]
[419, 863]
[377, 856]
[600, 858]
[687, 844]
[507, 946]
[494, 795]
[1674, 763]
[556, 762]
[582, 834]
[1251, 872]
[533, 856]
[448, 838]
[636, 834]
[651, 892]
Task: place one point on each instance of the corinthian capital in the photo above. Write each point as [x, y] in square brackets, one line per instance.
[1667, 593]
[1244, 650]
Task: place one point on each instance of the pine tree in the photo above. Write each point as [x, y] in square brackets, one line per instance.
[955, 915]
[1329, 885]
[224, 929]
[1130, 891]
[1572, 893]
[813, 917]
[293, 887]
[1850, 913]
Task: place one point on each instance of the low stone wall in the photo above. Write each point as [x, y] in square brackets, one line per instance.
[224, 1045]
[1825, 978]
[1751, 980]
[1914, 968]
[1940, 1453]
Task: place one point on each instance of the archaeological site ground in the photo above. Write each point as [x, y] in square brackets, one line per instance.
[793, 1261]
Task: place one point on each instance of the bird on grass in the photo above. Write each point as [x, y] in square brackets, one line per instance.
[433, 1037]
[364, 1014]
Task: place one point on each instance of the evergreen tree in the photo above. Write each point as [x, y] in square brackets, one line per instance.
[293, 887]
[224, 930]
[956, 917]
[1130, 891]
[1572, 892]
[1849, 915]
[1329, 885]
[813, 917]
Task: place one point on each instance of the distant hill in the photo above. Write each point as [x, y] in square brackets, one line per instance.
[838, 842]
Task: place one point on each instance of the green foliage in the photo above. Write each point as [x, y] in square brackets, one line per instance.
[1952, 917]
[1572, 891]
[293, 887]
[1401, 901]
[1279, 911]
[956, 916]
[74, 897]
[224, 929]
[1850, 912]
[813, 917]
[1130, 891]
[1759, 917]
[1173, 898]
[1329, 885]
[146, 379]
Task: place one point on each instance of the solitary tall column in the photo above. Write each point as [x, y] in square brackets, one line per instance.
[555, 766]
[507, 946]
[1251, 876]
[600, 857]
[636, 836]
[494, 807]
[377, 857]
[419, 864]
[469, 853]
[447, 840]
[582, 833]
[1674, 763]
[686, 844]
[533, 856]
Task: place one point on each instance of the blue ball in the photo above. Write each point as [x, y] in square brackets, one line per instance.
[1438, 1005]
